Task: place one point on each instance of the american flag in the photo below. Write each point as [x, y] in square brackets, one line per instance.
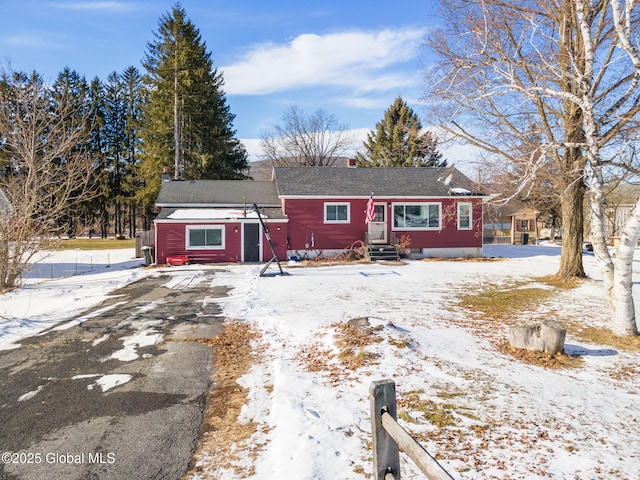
[371, 213]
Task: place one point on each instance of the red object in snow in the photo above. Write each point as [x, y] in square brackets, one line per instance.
[177, 259]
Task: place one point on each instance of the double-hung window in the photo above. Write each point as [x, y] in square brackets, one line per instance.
[464, 216]
[205, 237]
[336, 212]
[417, 216]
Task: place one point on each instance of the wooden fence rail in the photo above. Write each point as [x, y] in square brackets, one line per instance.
[144, 238]
[389, 438]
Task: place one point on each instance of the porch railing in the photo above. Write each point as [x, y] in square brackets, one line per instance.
[393, 238]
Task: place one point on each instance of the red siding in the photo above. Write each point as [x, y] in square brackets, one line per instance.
[306, 217]
[278, 233]
[171, 240]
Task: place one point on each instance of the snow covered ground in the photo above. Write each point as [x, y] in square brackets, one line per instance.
[507, 419]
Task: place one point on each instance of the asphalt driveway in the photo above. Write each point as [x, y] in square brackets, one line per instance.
[117, 393]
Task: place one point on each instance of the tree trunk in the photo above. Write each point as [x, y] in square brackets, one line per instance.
[548, 337]
[623, 315]
[572, 229]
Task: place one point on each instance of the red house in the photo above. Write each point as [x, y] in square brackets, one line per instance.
[308, 210]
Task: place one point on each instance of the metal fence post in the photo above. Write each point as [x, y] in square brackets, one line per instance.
[386, 456]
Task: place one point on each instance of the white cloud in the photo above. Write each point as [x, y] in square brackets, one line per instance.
[27, 40]
[370, 103]
[253, 147]
[363, 61]
[113, 6]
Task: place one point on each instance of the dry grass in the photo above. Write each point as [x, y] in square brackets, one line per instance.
[352, 342]
[464, 259]
[221, 429]
[411, 404]
[351, 339]
[498, 307]
[541, 359]
[93, 244]
[602, 336]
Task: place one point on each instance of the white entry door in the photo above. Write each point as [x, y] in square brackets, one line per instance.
[378, 227]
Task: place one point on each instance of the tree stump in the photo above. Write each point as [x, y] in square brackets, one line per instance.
[547, 337]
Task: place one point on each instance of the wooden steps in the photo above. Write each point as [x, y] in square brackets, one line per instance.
[382, 251]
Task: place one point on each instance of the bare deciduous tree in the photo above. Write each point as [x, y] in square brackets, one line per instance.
[619, 115]
[557, 78]
[504, 70]
[316, 139]
[45, 169]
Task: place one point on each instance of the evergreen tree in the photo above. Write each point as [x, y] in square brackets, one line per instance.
[98, 206]
[187, 121]
[399, 142]
[70, 93]
[115, 141]
[135, 95]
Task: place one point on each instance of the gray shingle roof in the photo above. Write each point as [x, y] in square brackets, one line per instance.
[361, 182]
[217, 193]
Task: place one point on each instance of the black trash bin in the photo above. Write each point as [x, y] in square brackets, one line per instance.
[525, 238]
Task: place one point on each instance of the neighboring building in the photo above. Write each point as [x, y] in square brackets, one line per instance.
[509, 223]
[213, 221]
[309, 210]
[620, 202]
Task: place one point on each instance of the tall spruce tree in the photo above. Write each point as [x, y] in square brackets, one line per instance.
[187, 122]
[70, 92]
[98, 205]
[135, 95]
[398, 141]
[115, 144]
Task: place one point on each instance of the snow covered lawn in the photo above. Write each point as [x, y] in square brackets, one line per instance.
[498, 418]
[482, 413]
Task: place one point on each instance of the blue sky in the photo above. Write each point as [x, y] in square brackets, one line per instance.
[351, 58]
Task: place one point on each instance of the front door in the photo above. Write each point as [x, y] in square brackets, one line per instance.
[378, 226]
[251, 233]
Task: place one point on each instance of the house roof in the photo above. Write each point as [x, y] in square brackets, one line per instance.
[196, 214]
[202, 193]
[382, 182]
[510, 207]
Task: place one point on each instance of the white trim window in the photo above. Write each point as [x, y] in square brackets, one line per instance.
[464, 216]
[335, 212]
[205, 237]
[417, 216]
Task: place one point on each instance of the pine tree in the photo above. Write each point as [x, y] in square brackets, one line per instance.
[135, 95]
[98, 206]
[399, 142]
[70, 92]
[187, 121]
[114, 136]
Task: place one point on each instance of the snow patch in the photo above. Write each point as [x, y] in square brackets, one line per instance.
[30, 394]
[107, 382]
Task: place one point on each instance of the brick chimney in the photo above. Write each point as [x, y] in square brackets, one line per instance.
[166, 176]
